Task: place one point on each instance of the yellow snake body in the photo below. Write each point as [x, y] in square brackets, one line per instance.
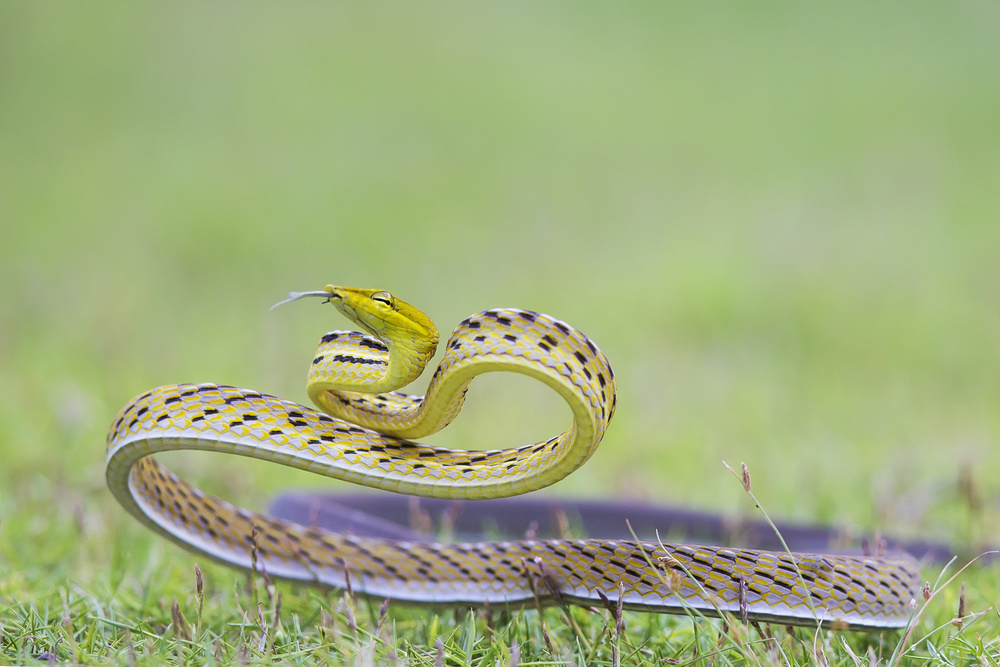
[364, 437]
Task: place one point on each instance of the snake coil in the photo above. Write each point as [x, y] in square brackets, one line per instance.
[364, 432]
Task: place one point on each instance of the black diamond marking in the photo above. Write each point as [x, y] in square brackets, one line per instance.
[417, 557]
[348, 359]
[451, 561]
[808, 576]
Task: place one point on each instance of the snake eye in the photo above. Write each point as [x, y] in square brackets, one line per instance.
[383, 297]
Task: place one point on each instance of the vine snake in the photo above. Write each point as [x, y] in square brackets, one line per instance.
[365, 431]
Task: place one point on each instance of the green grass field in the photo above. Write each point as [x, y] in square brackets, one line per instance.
[781, 224]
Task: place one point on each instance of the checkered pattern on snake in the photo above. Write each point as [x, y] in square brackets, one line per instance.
[364, 432]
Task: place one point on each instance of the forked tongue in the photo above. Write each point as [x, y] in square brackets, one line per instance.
[295, 296]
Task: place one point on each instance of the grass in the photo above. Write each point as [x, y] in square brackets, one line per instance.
[779, 223]
[80, 592]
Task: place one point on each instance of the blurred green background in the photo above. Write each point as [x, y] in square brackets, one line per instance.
[780, 222]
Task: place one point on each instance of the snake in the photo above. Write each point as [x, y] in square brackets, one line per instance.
[363, 429]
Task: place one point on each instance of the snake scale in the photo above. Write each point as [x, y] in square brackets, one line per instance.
[365, 431]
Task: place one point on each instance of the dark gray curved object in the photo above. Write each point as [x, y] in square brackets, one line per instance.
[400, 517]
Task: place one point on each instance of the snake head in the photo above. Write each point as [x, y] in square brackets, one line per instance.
[380, 313]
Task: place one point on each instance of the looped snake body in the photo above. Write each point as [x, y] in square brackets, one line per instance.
[364, 432]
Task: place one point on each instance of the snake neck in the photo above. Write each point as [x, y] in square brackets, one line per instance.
[348, 362]
[508, 340]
